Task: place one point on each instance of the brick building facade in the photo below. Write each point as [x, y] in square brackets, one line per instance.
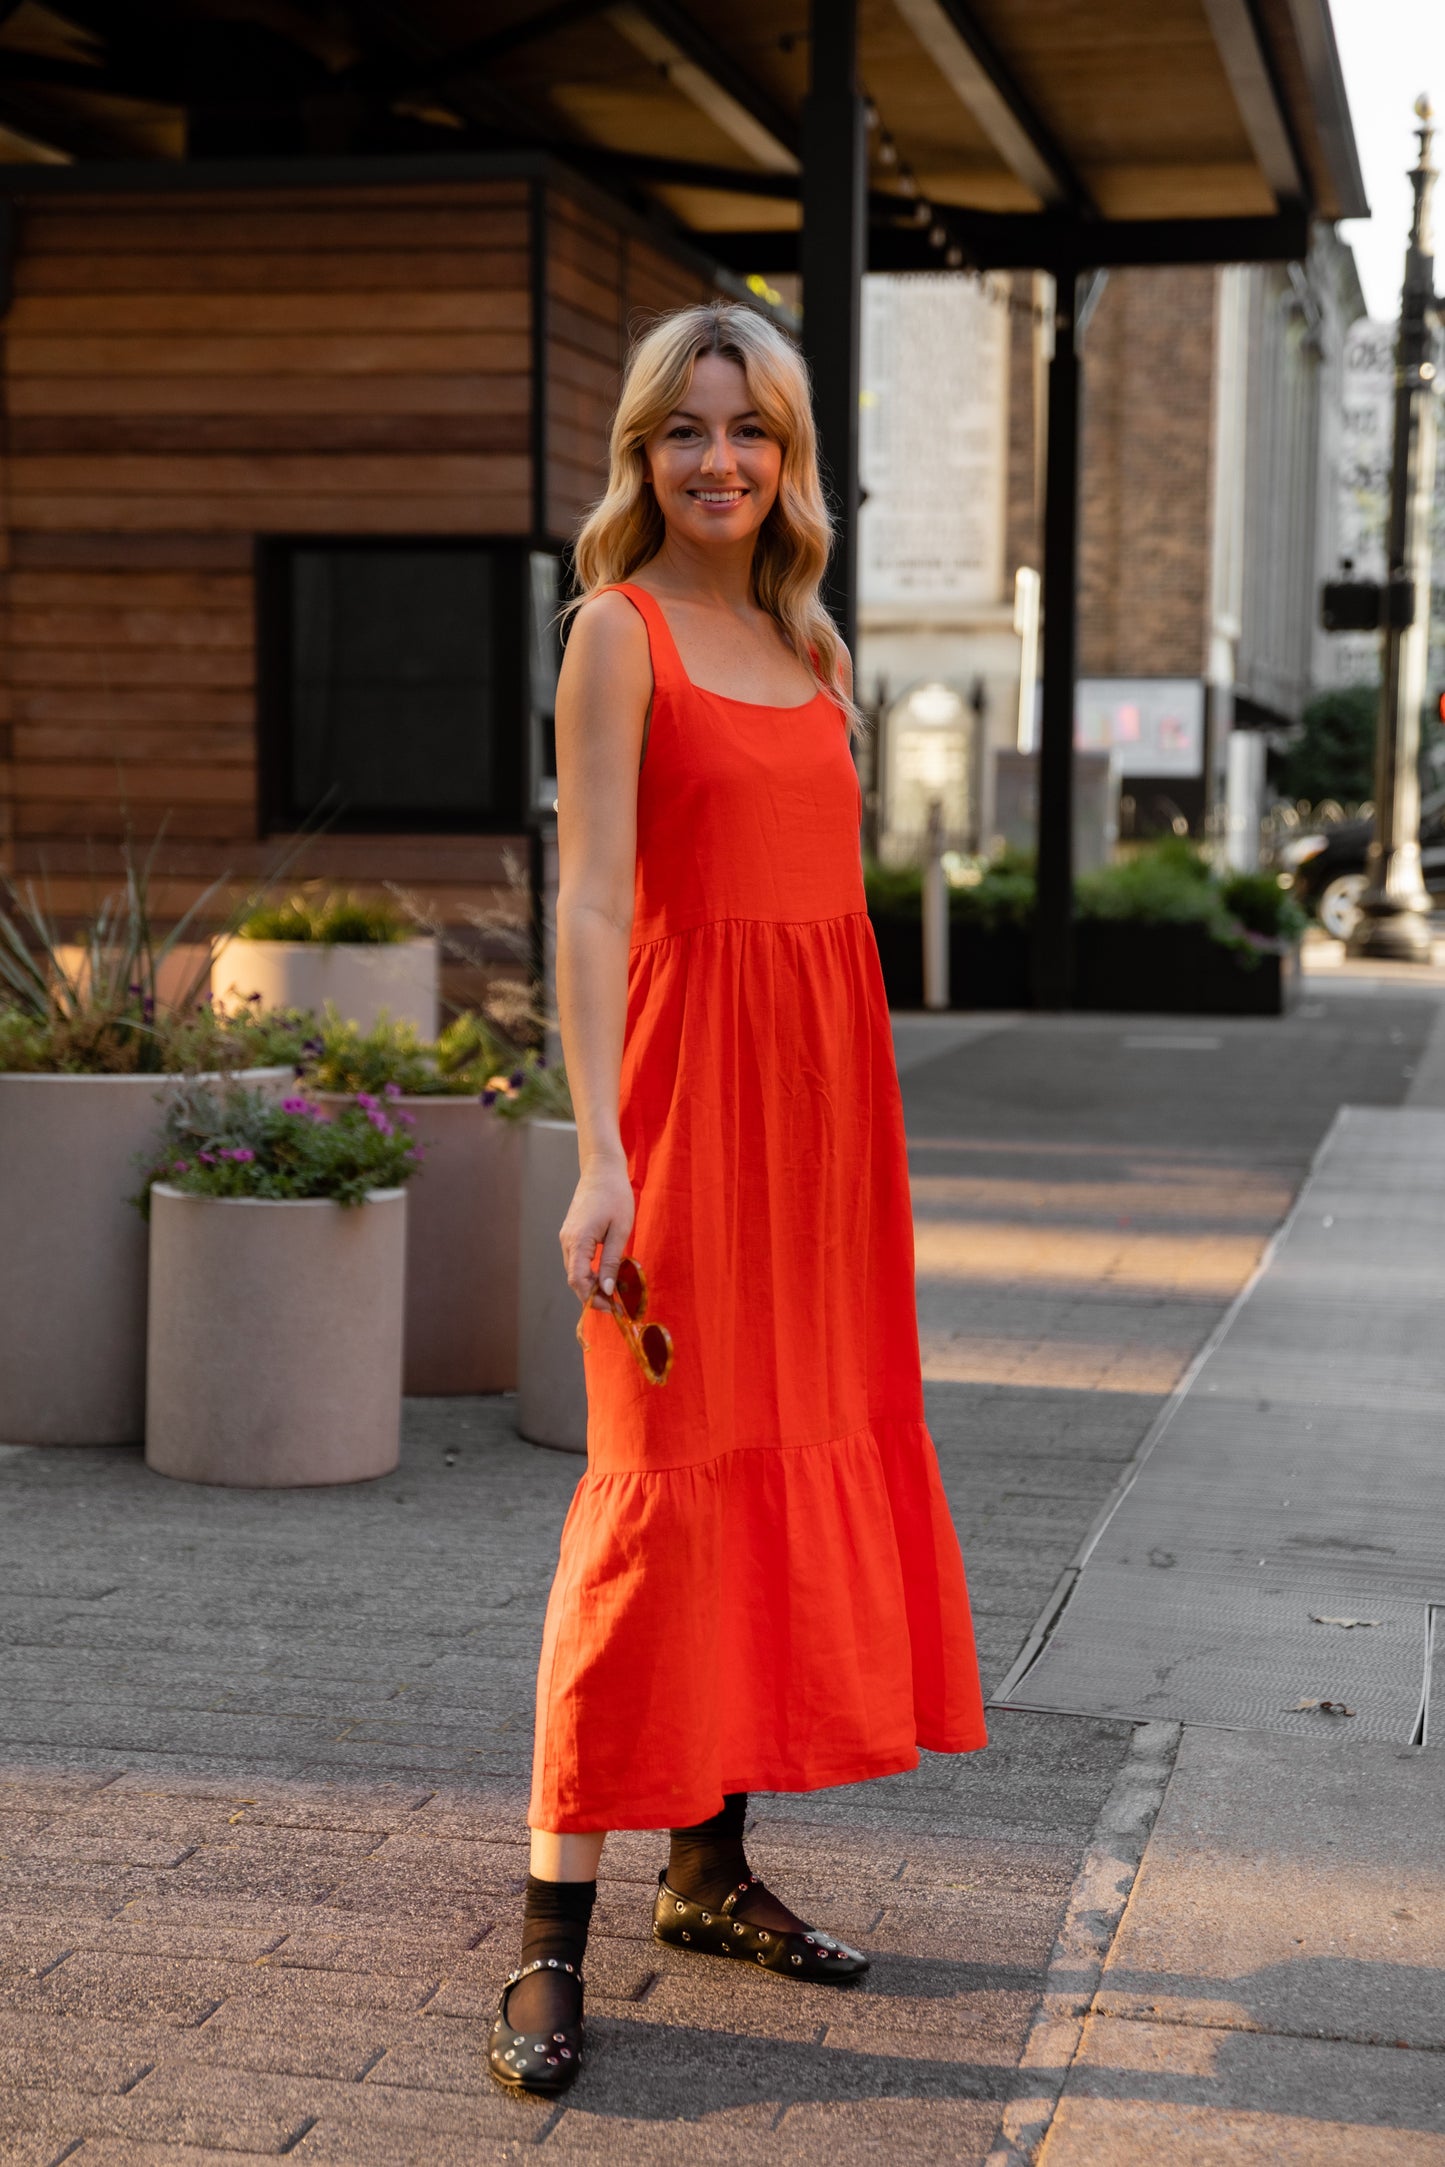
[1210, 419]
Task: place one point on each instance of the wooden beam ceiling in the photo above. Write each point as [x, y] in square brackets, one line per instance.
[1089, 108]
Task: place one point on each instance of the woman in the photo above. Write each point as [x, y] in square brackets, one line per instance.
[759, 1584]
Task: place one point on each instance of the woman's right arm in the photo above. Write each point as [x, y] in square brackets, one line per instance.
[603, 696]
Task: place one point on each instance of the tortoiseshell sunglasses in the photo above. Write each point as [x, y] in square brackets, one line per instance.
[650, 1343]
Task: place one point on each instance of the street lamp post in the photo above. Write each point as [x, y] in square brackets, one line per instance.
[1394, 920]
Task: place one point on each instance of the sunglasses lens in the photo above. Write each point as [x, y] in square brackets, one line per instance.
[631, 1290]
[656, 1348]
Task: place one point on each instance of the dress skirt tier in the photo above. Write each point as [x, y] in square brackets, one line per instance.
[759, 1587]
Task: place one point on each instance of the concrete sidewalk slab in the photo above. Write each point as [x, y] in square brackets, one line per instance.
[1276, 1990]
[1297, 1483]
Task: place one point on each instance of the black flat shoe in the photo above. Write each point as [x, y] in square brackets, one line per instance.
[523, 2061]
[682, 1924]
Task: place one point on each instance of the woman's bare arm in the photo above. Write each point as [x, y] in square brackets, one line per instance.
[603, 696]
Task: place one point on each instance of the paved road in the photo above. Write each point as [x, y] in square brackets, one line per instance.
[265, 1754]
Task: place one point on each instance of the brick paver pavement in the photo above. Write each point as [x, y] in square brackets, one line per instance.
[265, 1753]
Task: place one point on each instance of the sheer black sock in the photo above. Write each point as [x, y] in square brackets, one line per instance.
[555, 1918]
[706, 1863]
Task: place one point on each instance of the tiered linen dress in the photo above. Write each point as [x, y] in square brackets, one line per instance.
[759, 1588]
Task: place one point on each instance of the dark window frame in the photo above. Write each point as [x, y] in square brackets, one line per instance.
[276, 811]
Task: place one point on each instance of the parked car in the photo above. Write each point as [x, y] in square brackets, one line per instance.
[1327, 865]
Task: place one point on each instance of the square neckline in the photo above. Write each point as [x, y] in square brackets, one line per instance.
[765, 706]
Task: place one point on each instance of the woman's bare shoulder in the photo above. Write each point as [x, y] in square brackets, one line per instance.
[608, 630]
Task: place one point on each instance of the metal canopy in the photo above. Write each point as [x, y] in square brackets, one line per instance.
[820, 136]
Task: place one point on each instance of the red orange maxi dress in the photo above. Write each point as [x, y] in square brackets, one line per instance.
[759, 1588]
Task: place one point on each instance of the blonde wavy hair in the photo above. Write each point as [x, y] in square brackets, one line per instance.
[624, 529]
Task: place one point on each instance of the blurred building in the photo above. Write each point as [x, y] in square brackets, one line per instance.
[1214, 413]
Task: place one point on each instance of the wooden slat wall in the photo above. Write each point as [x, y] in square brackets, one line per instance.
[179, 375]
[604, 286]
[182, 373]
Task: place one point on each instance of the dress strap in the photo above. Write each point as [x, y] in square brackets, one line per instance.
[668, 674]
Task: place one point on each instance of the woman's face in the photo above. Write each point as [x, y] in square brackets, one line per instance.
[712, 462]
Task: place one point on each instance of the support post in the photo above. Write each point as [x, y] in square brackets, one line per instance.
[1394, 920]
[832, 259]
[1054, 910]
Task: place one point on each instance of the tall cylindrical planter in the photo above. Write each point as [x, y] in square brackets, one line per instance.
[73, 1255]
[274, 1341]
[463, 1224]
[551, 1386]
[363, 979]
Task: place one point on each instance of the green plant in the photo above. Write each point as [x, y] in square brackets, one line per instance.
[1168, 882]
[536, 1090]
[456, 1065]
[986, 894]
[328, 918]
[225, 1140]
[92, 1005]
[1264, 908]
[471, 1059]
[1334, 754]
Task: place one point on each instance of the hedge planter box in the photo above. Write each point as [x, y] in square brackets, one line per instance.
[985, 969]
[274, 1342]
[362, 978]
[464, 1217]
[1176, 970]
[551, 1386]
[73, 1256]
[1121, 964]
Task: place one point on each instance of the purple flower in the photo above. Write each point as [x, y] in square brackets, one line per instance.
[517, 1078]
[242, 1155]
[135, 989]
[253, 1000]
[380, 1123]
[415, 1153]
[541, 1060]
[295, 1106]
[408, 1121]
[489, 1098]
[207, 1158]
[392, 1090]
[364, 1098]
[182, 1166]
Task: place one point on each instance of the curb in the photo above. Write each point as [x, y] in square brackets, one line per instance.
[1097, 1902]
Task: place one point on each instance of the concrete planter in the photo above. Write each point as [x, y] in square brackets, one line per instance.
[361, 978]
[73, 1255]
[551, 1384]
[463, 1226]
[274, 1342]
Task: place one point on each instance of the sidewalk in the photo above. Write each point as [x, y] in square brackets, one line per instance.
[260, 1834]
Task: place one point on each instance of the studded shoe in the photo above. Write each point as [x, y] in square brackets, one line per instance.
[525, 2062]
[682, 1924]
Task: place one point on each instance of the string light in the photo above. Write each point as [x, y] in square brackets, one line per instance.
[919, 212]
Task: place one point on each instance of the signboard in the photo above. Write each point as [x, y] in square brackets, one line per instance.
[1153, 725]
[933, 444]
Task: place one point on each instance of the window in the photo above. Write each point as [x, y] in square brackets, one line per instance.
[397, 684]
